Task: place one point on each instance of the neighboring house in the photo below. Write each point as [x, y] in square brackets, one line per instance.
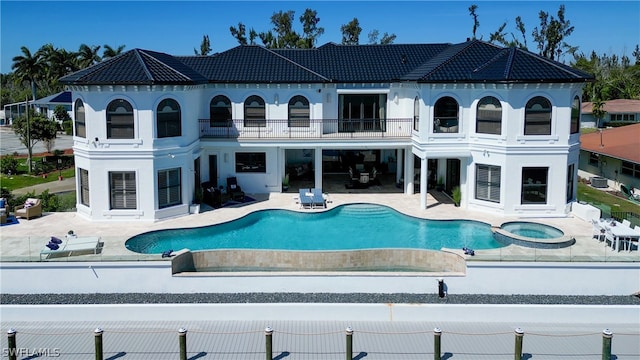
[612, 153]
[617, 111]
[501, 123]
[45, 106]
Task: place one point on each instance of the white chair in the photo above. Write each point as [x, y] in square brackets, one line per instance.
[626, 222]
[609, 238]
[598, 231]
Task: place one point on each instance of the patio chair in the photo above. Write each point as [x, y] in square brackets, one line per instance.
[31, 208]
[234, 190]
[4, 210]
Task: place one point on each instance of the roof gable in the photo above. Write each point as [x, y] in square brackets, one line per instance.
[136, 67]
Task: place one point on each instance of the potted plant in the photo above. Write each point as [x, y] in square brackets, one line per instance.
[285, 182]
[457, 195]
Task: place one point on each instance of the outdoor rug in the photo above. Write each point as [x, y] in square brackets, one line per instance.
[10, 221]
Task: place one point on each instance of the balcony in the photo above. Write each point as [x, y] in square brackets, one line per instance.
[307, 129]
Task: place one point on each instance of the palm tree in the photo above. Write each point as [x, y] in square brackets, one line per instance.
[110, 52]
[88, 55]
[60, 63]
[28, 67]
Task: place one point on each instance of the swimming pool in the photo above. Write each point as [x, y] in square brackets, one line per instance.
[346, 227]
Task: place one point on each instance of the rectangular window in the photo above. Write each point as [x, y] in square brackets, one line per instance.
[631, 169]
[570, 182]
[120, 126]
[122, 186]
[169, 188]
[534, 185]
[362, 112]
[488, 182]
[84, 187]
[169, 125]
[594, 159]
[251, 163]
[80, 127]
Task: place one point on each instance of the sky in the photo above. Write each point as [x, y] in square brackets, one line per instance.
[177, 27]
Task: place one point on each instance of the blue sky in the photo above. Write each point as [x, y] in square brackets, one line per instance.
[177, 27]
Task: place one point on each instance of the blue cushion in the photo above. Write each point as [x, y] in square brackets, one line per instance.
[55, 240]
[53, 246]
[2, 203]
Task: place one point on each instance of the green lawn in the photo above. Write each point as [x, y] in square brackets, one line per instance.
[604, 200]
[23, 180]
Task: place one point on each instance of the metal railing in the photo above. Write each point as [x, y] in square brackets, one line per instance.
[306, 129]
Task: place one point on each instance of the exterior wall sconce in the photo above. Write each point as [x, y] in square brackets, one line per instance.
[276, 99]
[395, 98]
[171, 156]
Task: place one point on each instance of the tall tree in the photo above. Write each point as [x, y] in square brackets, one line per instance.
[310, 30]
[239, 33]
[110, 52]
[385, 40]
[282, 36]
[88, 55]
[476, 23]
[205, 46]
[28, 68]
[351, 32]
[33, 128]
[501, 36]
[550, 35]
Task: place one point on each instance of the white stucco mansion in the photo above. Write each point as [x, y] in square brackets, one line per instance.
[501, 123]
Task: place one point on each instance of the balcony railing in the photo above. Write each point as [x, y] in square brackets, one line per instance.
[306, 129]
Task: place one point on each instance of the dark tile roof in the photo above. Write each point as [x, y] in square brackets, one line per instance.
[472, 61]
[137, 67]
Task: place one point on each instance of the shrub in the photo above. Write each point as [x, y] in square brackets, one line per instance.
[9, 164]
[67, 126]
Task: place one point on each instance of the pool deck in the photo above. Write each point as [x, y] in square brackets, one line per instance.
[24, 241]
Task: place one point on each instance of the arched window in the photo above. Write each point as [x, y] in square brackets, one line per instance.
[445, 116]
[299, 112]
[416, 114]
[537, 117]
[575, 116]
[254, 112]
[220, 112]
[168, 119]
[120, 120]
[80, 125]
[489, 116]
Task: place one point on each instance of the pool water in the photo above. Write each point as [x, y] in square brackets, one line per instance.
[532, 230]
[346, 227]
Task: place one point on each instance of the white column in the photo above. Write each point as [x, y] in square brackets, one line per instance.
[317, 167]
[408, 171]
[282, 164]
[399, 162]
[423, 183]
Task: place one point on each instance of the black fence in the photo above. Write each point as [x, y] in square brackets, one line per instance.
[306, 129]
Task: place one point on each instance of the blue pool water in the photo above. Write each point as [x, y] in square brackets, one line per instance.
[346, 227]
[532, 230]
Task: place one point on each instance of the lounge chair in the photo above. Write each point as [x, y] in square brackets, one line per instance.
[318, 199]
[305, 198]
[31, 208]
[72, 245]
[234, 190]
